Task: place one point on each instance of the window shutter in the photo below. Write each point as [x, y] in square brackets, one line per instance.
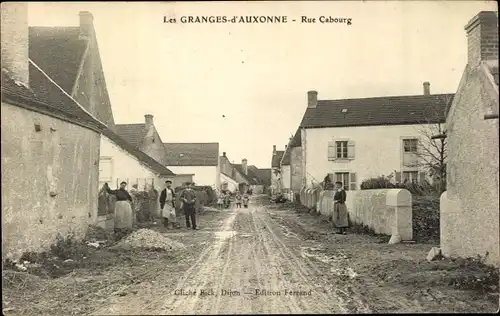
[331, 151]
[398, 176]
[353, 181]
[422, 176]
[350, 149]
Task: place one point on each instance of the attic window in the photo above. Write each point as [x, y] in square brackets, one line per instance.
[344, 110]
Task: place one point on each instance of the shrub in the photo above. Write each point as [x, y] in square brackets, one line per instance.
[423, 188]
[380, 182]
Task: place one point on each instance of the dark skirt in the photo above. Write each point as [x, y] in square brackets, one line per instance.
[340, 216]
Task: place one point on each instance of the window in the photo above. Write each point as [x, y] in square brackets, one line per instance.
[344, 178]
[410, 176]
[410, 145]
[341, 149]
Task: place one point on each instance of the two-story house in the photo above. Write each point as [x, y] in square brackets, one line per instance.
[276, 170]
[355, 139]
[50, 148]
[199, 159]
[70, 55]
[291, 164]
[469, 207]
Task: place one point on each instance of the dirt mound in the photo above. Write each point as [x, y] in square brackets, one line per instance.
[148, 239]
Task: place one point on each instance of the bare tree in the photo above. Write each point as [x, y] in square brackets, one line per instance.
[432, 153]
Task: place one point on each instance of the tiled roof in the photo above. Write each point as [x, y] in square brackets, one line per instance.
[141, 156]
[277, 158]
[264, 176]
[58, 51]
[46, 97]
[296, 141]
[133, 133]
[252, 178]
[397, 110]
[192, 154]
[493, 68]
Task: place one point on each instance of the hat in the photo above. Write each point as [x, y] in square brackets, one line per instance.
[168, 181]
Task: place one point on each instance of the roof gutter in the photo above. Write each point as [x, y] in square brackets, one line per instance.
[491, 116]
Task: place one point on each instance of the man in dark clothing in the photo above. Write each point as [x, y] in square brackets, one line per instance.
[167, 205]
[188, 198]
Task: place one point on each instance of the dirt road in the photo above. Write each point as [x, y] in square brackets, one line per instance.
[252, 264]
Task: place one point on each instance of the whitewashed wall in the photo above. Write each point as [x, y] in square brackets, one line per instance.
[232, 185]
[116, 163]
[285, 177]
[377, 150]
[203, 175]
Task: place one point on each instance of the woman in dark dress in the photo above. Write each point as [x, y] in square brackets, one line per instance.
[340, 215]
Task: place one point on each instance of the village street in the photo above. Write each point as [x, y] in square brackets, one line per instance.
[264, 260]
[269, 258]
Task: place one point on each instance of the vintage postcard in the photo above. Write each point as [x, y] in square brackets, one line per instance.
[249, 157]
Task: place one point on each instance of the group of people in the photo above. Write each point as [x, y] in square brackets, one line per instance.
[224, 197]
[124, 213]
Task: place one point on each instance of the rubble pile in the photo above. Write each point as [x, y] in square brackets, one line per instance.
[149, 239]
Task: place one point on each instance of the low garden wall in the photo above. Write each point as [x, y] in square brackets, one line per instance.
[386, 211]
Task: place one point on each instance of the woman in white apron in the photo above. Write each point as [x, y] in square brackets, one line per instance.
[123, 209]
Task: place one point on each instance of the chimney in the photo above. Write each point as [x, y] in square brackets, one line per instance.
[87, 33]
[224, 154]
[86, 25]
[274, 149]
[286, 146]
[244, 166]
[482, 37]
[427, 88]
[312, 99]
[14, 40]
[148, 120]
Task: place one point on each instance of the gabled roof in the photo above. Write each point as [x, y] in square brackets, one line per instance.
[251, 177]
[46, 97]
[264, 175]
[277, 156]
[141, 156]
[133, 133]
[58, 51]
[296, 141]
[394, 110]
[192, 154]
[493, 69]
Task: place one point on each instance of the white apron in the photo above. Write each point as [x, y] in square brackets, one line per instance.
[169, 212]
[123, 214]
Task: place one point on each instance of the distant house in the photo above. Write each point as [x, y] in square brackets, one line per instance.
[276, 170]
[355, 139]
[71, 56]
[285, 171]
[246, 177]
[469, 207]
[292, 178]
[200, 159]
[50, 149]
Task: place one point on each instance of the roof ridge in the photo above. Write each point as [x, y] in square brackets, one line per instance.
[392, 96]
[64, 92]
[191, 143]
[131, 124]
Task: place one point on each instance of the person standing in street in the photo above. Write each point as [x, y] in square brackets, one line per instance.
[188, 198]
[340, 215]
[167, 205]
[246, 198]
[238, 199]
[123, 209]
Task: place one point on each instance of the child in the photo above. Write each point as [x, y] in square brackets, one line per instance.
[220, 200]
[340, 215]
[238, 199]
[245, 200]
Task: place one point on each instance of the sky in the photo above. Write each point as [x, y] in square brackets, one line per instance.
[245, 85]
